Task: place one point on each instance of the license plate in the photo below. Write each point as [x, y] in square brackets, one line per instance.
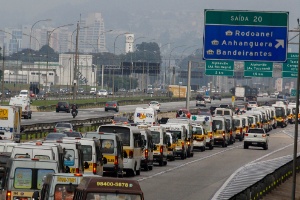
[62, 106]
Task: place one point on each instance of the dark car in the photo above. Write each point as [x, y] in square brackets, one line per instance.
[112, 105]
[41, 96]
[73, 134]
[63, 106]
[217, 96]
[55, 136]
[120, 120]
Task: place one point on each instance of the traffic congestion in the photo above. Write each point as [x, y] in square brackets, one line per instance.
[102, 164]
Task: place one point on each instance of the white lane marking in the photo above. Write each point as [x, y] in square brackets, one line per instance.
[188, 163]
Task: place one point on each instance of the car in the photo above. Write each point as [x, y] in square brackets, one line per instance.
[63, 106]
[41, 96]
[110, 92]
[224, 106]
[260, 95]
[256, 137]
[155, 105]
[150, 91]
[276, 93]
[63, 127]
[217, 96]
[73, 134]
[273, 95]
[201, 111]
[207, 99]
[102, 93]
[80, 91]
[212, 109]
[111, 105]
[252, 104]
[241, 108]
[120, 120]
[55, 136]
[200, 101]
[122, 90]
[265, 94]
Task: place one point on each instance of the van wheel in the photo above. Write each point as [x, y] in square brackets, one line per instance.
[165, 163]
[150, 167]
[138, 172]
[182, 156]
[202, 149]
[246, 146]
[160, 163]
[266, 146]
[146, 168]
[211, 147]
[224, 144]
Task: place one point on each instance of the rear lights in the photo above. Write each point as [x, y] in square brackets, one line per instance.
[8, 195]
[130, 154]
[106, 105]
[223, 133]
[94, 168]
[264, 135]
[146, 153]
[246, 134]
[116, 162]
[241, 130]
[54, 130]
[161, 149]
[77, 170]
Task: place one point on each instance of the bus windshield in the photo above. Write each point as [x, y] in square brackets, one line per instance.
[124, 132]
[177, 134]
[112, 196]
[217, 124]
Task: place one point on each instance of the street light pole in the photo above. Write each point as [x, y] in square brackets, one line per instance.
[113, 78]
[170, 61]
[43, 20]
[48, 44]
[101, 33]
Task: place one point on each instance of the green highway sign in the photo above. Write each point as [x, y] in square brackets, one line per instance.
[219, 73]
[219, 64]
[290, 67]
[219, 68]
[258, 66]
[258, 74]
[289, 74]
[258, 69]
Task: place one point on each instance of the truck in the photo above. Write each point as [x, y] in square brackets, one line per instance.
[10, 122]
[244, 93]
[24, 103]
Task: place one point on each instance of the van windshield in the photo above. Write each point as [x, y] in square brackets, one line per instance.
[217, 124]
[226, 112]
[197, 130]
[279, 112]
[27, 178]
[64, 190]
[155, 137]
[236, 122]
[123, 131]
[250, 120]
[107, 146]
[176, 133]
[113, 196]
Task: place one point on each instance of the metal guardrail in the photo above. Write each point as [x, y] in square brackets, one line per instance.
[255, 180]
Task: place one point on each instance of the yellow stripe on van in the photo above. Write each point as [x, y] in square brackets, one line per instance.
[110, 159]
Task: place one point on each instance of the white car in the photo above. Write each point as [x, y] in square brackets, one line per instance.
[155, 105]
[256, 137]
[273, 95]
[260, 95]
[207, 99]
[252, 104]
[265, 94]
[102, 93]
[62, 127]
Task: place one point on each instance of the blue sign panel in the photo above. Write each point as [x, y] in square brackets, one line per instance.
[245, 43]
[245, 35]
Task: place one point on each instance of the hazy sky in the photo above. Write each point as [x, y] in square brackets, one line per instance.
[18, 12]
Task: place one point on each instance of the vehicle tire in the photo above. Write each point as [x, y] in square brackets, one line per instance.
[57, 111]
[266, 146]
[138, 172]
[29, 116]
[150, 167]
[160, 163]
[182, 156]
[211, 147]
[165, 163]
[282, 125]
[117, 110]
[241, 139]
[192, 154]
[106, 110]
[224, 144]
[246, 146]
[196, 105]
[188, 154]
[202, 149]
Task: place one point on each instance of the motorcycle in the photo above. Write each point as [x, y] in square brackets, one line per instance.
[73, 113]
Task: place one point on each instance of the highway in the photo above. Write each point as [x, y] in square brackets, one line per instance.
[198, 177]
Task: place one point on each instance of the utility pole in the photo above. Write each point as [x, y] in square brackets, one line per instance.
[188, 93]
[75, 66]
[2, 88]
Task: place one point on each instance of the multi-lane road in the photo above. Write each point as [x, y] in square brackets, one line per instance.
[198, 177]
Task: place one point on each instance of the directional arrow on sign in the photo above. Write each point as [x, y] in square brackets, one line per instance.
[279, 43]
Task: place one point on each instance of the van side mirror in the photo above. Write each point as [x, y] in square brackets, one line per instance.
[169, 144]
[104, 160]
[154, 147]
[215, 130]
[36, 195]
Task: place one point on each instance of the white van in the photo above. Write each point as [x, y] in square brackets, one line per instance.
[132, 146]
[24, 102]
[24, 93]
[159, 139]
[92, 155]
[112, 152]
[7, 146]
[25, 176]
[145, 116]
